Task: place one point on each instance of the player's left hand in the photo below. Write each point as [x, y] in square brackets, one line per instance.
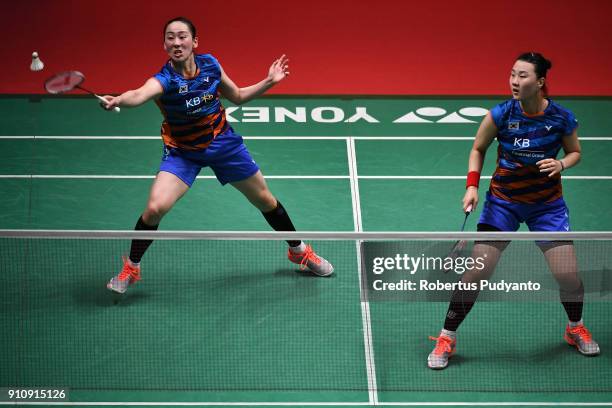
[551, 166]
[279, 69]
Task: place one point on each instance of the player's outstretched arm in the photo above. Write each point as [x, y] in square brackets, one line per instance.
[278, 71]
[151, 89]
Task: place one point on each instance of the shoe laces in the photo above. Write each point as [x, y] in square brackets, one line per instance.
[308, 255]
[129, 271]
[443, 344]
[581, 332]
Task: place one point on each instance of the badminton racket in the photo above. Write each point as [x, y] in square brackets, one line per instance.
[459, 245]
[67, 81]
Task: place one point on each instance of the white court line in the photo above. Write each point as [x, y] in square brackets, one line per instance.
[463, 177]
[84, 137]
[318, 404]
[159, 138]
[365, 305]
[71, 176]
[453, 138]
[432, 138]
[295, 137]
[128, 177]
[280, 177]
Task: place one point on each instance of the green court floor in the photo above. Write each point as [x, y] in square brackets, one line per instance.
[227, 321]
[63, 197]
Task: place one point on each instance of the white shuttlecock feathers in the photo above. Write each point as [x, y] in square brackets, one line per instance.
[37, 64]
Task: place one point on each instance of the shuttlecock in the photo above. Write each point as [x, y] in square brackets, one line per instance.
[37, 64]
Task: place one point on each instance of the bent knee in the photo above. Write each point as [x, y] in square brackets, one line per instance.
[155, 211]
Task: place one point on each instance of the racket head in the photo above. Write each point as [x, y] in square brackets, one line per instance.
[64, 82]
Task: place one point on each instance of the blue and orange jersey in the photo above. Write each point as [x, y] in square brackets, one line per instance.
[193, 114]
[523, 141]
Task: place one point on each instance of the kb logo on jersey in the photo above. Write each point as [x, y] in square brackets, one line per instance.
[521, 142]
[198, 100]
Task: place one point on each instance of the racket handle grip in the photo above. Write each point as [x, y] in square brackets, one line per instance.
[116, 109]
[468, 209]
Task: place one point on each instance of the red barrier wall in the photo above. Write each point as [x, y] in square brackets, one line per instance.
[335, 47]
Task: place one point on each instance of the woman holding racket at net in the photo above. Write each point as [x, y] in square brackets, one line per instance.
[195, 135]
[526, 187]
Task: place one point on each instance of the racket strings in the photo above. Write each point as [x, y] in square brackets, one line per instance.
[64, 82]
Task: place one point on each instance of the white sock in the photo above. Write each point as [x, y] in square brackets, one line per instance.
[575, 324]
[298, 249]
[449, 333]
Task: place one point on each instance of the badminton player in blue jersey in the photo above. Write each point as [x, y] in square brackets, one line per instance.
[196, 134]
[526, 188]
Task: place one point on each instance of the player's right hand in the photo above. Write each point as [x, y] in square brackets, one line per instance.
[470, 199]
[111, 102]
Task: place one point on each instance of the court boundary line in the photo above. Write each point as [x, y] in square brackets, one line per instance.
[430, 138]
[281, 177]
[463, 177]
[306, 235]
[124, 176]
[365, 305]
[331, 404]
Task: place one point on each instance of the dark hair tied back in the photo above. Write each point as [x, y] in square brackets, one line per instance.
[541, 64]
[184, 20]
